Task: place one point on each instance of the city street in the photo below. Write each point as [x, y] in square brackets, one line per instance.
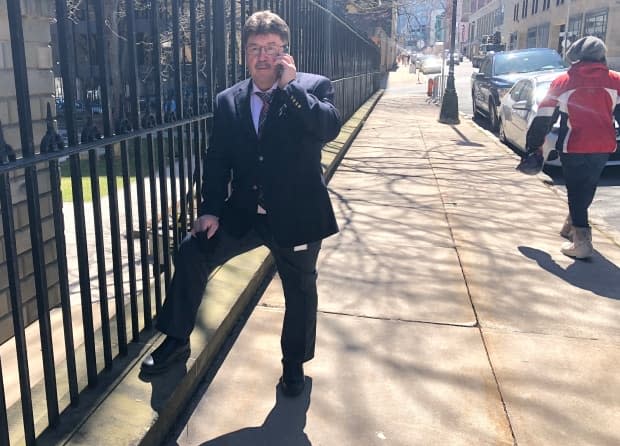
[606, 206]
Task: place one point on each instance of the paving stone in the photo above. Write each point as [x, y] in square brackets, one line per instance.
[558, 390]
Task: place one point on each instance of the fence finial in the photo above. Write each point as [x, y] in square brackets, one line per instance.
[51, 142]
[7, 153]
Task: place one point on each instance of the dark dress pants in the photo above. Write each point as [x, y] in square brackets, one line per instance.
[198, 257]
[582, 172]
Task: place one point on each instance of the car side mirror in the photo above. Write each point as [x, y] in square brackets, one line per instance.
[522, 105]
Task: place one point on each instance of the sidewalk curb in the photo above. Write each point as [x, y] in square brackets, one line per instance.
[134, 411]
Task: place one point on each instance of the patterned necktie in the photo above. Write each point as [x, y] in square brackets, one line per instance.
[266, 98]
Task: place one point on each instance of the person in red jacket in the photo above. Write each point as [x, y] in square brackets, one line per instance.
[585, 100]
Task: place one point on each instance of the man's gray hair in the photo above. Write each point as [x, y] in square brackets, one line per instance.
[265, 22]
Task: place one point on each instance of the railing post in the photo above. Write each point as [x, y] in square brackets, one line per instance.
[219, 45]
[20, 72]
[52, 142]
[10, 248]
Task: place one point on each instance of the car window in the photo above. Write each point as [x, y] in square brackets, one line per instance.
[541, 91]
[526, 93]
[486, 67]
[516, 90]
[526, 62]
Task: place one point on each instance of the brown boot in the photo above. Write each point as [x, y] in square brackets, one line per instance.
[568, 228]
[581, 246]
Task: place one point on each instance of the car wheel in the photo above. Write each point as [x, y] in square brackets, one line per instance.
[493, 119]
[502, 132]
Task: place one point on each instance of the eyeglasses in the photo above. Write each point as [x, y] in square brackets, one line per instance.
[270, 50]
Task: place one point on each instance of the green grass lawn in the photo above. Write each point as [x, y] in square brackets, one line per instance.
[65, 173]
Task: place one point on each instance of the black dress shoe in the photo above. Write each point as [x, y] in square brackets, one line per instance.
[170, 351]
[292, 380]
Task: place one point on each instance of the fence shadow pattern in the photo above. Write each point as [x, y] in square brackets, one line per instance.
[115, 180]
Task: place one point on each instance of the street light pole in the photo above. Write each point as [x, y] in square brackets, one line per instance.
[450, 104]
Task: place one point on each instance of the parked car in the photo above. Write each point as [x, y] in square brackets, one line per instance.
[419, 59]
[519, 107]
[499, 72]
[431, 64]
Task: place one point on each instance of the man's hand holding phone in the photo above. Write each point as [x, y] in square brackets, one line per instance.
[287, 71]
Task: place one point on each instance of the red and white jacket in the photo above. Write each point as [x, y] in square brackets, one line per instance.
[585, 99]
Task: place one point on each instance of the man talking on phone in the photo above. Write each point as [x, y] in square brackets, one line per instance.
[263, 185]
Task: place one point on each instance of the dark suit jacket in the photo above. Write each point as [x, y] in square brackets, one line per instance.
[285, 162]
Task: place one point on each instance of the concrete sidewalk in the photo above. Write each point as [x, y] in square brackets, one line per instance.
[447, 314]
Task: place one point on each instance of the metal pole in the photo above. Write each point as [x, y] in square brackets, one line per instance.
[565, 44]
[450, 105]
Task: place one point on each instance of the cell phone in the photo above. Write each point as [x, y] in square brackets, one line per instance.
[280, 68]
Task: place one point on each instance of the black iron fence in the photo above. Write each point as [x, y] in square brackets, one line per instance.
[92, 217]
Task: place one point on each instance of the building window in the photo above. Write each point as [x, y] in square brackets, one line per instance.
[546, 4]
[499, 17]
[574, 29]
[512, 43]
[516, 13]
[534, 6]
[559, 2]
[524, 9]
[543, 36]
[531, 38]
[596, 24]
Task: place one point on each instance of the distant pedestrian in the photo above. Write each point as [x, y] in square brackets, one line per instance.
[263, 185]
[585, 98]
[170, 108]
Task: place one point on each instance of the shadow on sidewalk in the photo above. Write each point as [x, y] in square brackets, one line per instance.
[284, 425]
[465, 141]
[598, 275]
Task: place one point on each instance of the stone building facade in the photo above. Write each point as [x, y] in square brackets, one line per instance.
[543, 23]
[485, 18]
[36, 25]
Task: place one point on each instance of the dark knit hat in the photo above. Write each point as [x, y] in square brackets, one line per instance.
[587, 49]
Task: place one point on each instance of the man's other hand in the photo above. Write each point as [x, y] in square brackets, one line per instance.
[208, 223]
